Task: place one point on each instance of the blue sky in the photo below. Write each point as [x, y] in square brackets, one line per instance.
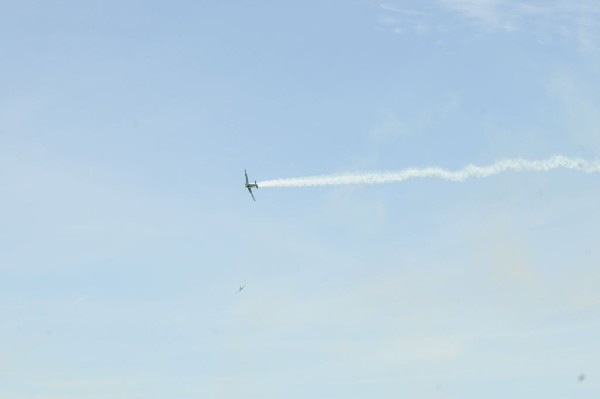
[125, 127]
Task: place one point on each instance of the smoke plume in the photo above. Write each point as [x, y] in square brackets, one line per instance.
[470, 171]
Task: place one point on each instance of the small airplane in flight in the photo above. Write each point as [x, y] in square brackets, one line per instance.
[250, 186]
[241, 288]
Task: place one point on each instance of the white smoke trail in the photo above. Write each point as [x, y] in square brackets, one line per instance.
[468, 172]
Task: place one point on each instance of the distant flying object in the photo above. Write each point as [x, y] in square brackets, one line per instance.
[249, 185]
[241, 288]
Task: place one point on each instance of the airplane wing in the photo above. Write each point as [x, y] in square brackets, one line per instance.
[250, 190]
[246, 176]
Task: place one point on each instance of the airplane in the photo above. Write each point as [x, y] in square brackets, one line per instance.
[249, 185]
[241, 288]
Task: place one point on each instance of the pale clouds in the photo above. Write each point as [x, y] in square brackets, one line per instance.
[404, 11]
[489, 14]
[558, 21]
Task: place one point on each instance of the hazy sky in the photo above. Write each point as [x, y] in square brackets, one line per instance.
[125, 230]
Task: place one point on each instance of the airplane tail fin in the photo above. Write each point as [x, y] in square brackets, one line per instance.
[255, 184]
